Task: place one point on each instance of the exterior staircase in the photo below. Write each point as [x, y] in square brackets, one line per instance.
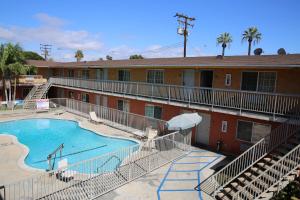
[262, 170]
[37, 92]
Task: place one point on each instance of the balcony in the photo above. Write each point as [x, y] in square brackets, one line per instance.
[31, 80]
[273, 104]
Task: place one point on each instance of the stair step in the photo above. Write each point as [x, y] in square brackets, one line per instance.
[222, 196]
[229, 191]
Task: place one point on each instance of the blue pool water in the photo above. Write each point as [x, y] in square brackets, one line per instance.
[43, 136]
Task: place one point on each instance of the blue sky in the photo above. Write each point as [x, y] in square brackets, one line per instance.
[121, 28]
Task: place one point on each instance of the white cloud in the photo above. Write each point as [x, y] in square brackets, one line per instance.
[49, 20]
[51, 31]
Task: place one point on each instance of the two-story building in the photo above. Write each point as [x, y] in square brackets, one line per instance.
[240, 98]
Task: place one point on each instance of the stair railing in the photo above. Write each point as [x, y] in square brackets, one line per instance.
[272, 176]
[30, 94]
[45, 88]
[216, 182]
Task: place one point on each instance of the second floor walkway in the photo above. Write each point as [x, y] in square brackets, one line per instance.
[271, 104]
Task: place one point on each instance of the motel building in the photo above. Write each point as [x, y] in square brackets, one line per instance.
[249, 106]
[241, 98]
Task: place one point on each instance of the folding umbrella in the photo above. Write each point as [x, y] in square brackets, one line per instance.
[184, 121]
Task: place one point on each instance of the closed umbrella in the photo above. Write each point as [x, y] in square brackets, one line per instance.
[184, 121]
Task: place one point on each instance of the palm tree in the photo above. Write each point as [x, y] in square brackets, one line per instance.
[251, 35]
[79, 55]
[12, 64]
[224, 39]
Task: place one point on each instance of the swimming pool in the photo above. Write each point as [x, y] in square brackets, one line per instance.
[43, 136]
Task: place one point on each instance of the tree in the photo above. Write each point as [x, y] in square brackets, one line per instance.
[30, 55]
[136, 56]
[108, 57]
[79, 55]
[12, 64]
[251, 35]
[281, 51]
[258, 51]
[224, 39]
[31, 70]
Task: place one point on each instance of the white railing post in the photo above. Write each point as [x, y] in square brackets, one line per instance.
[213, 99]
[241, 102]
[137, 89]
[275, 107]
[169, 93]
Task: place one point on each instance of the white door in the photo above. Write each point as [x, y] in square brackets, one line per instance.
[189, 77]
[104, 101]
[203, 129]
[98, 100]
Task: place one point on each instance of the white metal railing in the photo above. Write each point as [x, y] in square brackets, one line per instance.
[270, 103]
[219, 180]
[102, 174]
[31, 93]
[120, 119]
[270, 177]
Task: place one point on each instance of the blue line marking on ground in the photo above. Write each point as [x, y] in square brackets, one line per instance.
[181, 179]
[179, 190]
[198, 179]
[200, 156]
[186, 163]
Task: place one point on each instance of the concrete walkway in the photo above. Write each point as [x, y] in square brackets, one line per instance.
[173, 181]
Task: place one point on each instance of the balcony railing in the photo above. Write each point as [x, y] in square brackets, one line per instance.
[258, 102]
[31, 80]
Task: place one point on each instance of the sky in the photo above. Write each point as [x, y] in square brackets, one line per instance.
[121, 28]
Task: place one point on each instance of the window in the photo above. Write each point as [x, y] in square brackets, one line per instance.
[123, 105]
[266, 81]
[71, 73]
[252, 131]
[124, 75]
[153, 111]
[224, 127]
[259, 81]
[228, 80]
[71, 95]
[85, 74]
[85, 97]
[155, 76]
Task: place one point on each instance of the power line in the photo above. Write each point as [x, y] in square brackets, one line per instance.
[45, 50]
[183, 20]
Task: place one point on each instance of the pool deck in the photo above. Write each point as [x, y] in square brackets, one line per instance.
[175, 180]
[12, 153]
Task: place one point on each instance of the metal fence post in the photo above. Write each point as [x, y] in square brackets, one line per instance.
[213, 99]
[275, 107]
[169, 92]
[241, 103]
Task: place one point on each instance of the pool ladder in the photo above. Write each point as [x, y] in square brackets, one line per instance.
[49, 157]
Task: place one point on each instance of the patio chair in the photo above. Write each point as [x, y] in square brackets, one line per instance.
[63, 173]
[94, 118]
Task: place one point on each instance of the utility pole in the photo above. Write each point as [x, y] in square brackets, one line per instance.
[184, 20]
[45, 50]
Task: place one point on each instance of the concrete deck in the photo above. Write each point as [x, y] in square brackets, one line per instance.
[176, 180]
[12, 153]
[172, 181]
